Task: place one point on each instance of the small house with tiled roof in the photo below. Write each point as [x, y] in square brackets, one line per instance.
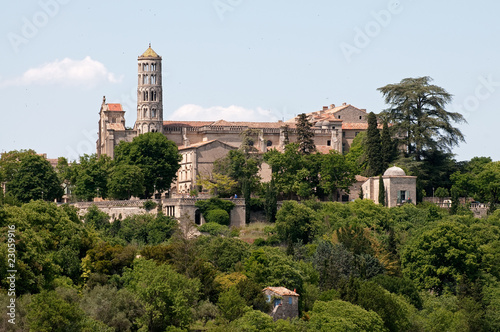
[284, 302]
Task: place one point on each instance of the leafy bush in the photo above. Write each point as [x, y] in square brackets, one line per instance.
[213, 204]
[213, 228]
[218, 216]
[149, 205]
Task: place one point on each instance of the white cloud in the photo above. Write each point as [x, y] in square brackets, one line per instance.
[85, 72]
[191, 112]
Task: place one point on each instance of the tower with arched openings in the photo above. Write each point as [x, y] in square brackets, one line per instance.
[149, 93]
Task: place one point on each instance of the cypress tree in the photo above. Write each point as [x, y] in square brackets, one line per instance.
[381, 191]
[305, 135]
[373, 147]
[388, 148]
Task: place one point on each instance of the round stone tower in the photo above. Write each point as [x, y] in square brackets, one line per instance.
[149, 93]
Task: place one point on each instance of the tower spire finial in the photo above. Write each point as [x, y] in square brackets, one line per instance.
[149, 44]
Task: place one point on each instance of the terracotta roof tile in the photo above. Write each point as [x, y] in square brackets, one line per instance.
[224, 123]
[282, 291]
[115, 107]
[186, 123]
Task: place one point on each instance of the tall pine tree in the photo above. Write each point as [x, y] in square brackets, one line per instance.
[373, 147]
[381, 191]
[388, 148]
[305, 135]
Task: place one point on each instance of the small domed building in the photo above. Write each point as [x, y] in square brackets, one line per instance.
[399, 187]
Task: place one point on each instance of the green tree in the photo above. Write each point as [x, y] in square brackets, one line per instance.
[118, 309]
[336, 173]
[10, 162]
[49, 244]
[357, 152]
[34, 179]
[166, 295]
[381, 191]
[442, 192]
[296, 222]
[441, 256]
[125, 181]
[48, 312]
[155, 155]
[232, 305]
[90, 176]
[417, 112]
[488, 184]
[305, 135]
[96, 218]
[388, 148]
[337, 315]
[374, 158]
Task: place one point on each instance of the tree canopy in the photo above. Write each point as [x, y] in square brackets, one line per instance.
[155, 155]
[417, 110]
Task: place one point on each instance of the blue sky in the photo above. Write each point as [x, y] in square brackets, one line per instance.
[239, 60]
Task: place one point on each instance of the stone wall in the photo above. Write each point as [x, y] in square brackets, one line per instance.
[174, 207]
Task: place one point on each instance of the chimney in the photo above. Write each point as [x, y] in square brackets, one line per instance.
[332, 106]
[343, 104]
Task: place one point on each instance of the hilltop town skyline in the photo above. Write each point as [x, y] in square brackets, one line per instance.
[237, 61]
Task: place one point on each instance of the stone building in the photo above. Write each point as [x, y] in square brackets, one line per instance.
[399, 187]
[334, 127]
[285, 303]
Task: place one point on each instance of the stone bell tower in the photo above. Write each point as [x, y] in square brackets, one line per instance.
[149, 93]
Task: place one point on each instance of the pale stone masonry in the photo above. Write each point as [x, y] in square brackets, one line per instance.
[334, 127]
[399, 187]
[284, 302]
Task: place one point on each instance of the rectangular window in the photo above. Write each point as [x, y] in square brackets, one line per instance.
[356, 133]
[289, 300]
[343, 134]
[328, 143]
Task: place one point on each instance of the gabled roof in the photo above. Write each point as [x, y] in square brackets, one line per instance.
[115, 107]
[328, 113]
[282, 291]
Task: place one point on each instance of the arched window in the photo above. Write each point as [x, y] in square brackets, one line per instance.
[269, 143]
[153, 113]
[153, 79]
[153, 95]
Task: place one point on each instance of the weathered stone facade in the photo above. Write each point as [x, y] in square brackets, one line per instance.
[285, 303]
[334, 128]
[174, 207]
[399, 187]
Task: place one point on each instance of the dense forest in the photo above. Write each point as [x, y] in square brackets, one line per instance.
[357, 266]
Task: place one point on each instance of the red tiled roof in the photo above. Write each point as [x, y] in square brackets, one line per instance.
[115, 107]
[360, 178]
[224, 123]
[187, 123]
[282, 291]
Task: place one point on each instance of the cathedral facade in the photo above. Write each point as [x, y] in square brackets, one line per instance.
[202, 142]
